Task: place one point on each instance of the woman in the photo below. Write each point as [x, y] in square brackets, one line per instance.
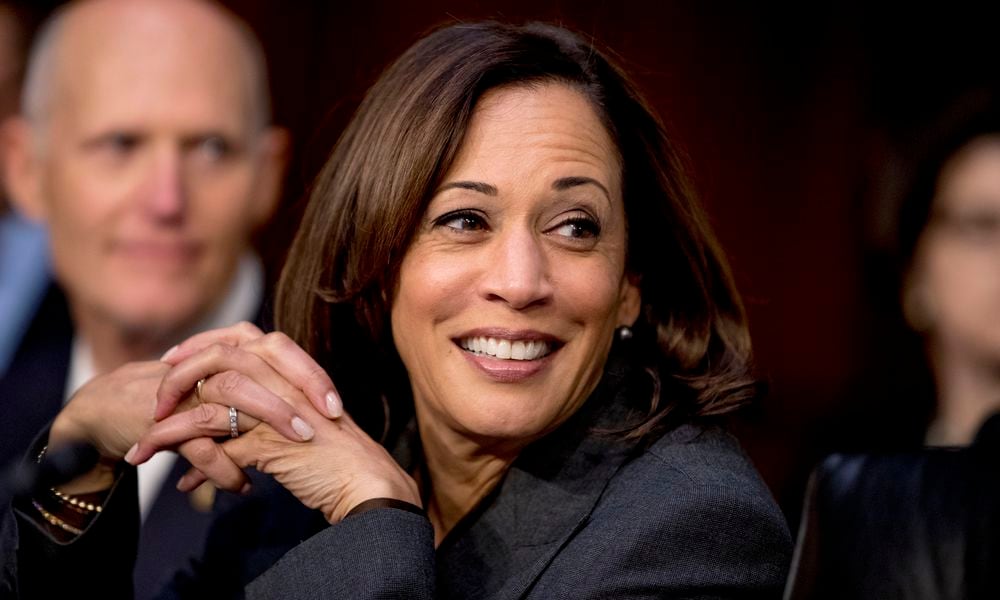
[949, 236]
[504, 272]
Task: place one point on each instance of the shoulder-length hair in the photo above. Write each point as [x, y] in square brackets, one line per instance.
[335, 292]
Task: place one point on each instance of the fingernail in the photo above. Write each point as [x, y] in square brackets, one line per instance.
[334, 406]
[131, 453]
[302, 428]
[245, 490]
[166, 355]
[182, 483]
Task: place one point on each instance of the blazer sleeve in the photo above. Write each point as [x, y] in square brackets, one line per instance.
[97, 563]
[380, 553]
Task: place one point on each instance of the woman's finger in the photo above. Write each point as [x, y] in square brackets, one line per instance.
[234, 335]
[301, 370]
[183, 378]
[212, 418]
[208, 457]
[205, 420]
[193, 478]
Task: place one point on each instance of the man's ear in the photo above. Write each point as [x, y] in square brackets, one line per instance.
[22, 170]
[272, 161]
[630, 300]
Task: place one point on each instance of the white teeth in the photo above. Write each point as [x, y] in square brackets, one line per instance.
[506, 349]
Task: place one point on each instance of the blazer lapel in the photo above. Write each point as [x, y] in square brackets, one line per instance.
[501, 549]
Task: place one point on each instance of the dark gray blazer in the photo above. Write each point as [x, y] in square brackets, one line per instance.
[580, 514]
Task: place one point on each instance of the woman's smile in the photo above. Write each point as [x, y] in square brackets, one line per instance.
[508, 356]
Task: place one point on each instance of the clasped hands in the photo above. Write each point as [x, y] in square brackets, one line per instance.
[291, 420]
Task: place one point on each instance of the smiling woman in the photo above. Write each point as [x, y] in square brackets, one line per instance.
[502, 203]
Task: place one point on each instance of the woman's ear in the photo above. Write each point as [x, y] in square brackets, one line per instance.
[21, 165]
[629, 300]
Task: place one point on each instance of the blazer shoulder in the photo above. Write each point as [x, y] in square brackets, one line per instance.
[701, 477]
[703, 456]
[687, 517]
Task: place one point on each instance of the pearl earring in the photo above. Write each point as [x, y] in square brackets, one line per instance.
[624, 333]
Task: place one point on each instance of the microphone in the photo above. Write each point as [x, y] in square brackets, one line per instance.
[56, 467]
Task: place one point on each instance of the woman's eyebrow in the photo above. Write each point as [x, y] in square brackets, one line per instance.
[475, 186]
[565, 183]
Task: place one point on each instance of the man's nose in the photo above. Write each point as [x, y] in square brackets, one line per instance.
[164, 197]
[518, 271]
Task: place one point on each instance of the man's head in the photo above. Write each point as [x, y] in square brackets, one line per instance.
[144, 147]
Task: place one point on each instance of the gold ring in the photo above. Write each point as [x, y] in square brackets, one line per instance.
[197, 388]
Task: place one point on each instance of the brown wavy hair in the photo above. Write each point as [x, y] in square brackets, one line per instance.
[364, 209]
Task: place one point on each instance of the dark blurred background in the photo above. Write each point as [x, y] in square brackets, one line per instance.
[795, 119]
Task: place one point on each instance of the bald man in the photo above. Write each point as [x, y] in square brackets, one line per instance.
[144, 146]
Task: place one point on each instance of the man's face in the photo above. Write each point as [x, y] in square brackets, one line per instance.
[151, 173]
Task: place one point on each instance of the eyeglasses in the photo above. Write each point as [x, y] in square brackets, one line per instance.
[980, 226]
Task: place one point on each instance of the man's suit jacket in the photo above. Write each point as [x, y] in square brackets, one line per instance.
[31, 394]
[581, 514]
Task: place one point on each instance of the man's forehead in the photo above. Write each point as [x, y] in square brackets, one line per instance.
[157, 66]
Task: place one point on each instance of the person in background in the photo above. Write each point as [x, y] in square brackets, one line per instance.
[950, 254]
[24, 263]
[919, 517]
[144, 145]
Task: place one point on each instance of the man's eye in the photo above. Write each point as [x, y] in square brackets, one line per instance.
[120, 143]
[463, 221]
[213, 148]
[579, 228]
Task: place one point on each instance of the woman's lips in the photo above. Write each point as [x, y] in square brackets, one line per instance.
[506, 349]
[508, 356]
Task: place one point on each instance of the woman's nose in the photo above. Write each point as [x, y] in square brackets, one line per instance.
[517, 271]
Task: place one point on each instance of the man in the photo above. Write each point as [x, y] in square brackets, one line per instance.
[144, 146]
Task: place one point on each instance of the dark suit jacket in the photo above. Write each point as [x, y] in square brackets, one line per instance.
[31, 394]
[908, 525]
[581, 514]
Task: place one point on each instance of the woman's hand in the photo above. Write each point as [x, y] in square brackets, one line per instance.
[110, 413]
[338, 469]
[269, 378]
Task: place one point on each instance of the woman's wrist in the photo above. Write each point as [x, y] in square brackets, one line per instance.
[378, 494]
[373, 503]
[67, 511]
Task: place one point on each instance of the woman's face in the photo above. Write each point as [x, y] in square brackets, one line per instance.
[510, 293]
[955, 282]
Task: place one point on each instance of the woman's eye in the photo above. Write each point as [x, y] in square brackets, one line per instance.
[578, 228]
[463, 221]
